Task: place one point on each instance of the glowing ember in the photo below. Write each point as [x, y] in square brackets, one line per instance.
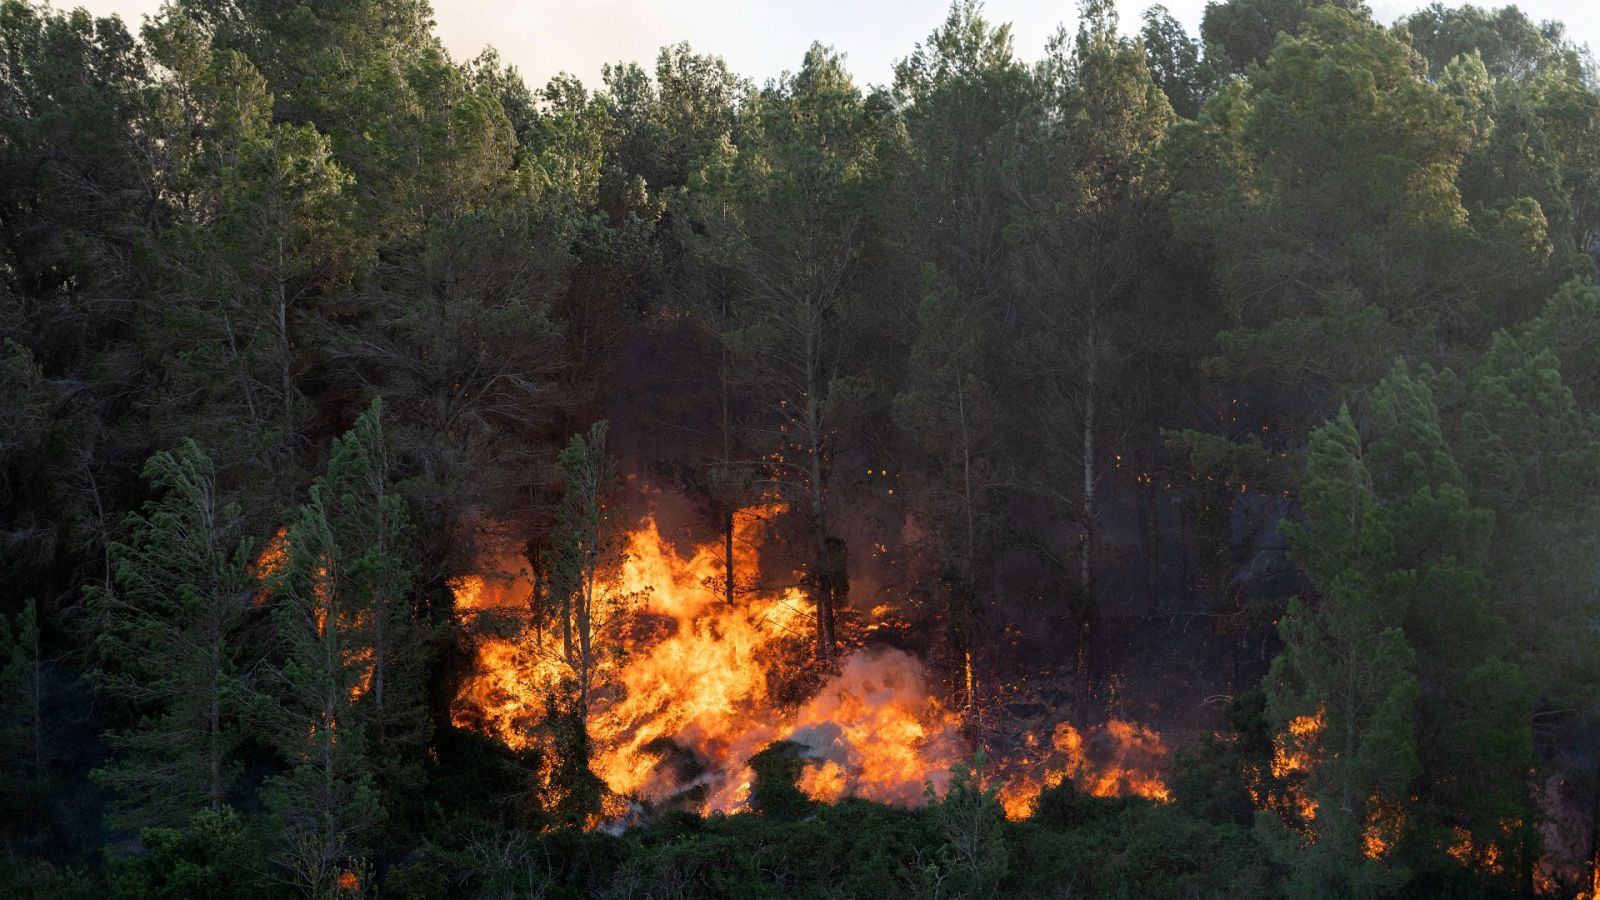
[270, 563]
[1472, 855]
[1382, 829]
[1294, 752]
[1115, 759]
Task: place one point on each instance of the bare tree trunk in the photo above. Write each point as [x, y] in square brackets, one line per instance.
[969, 552]
[380, 604]
[586, 595]
[214, 726]
[1090, 611]
[1592, 875]
[536, 600]
[567, 614]
[36, 701]
[726, 501]
[822, 589]
[283, 345]
[727, 552]
[246, 383]
[1150, 521]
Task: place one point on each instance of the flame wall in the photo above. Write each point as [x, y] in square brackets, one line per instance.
[691, 696]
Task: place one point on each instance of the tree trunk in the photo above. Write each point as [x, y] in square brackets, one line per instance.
[1150, 520]
[726, 502]
[283, 346]
[585, 645]
[727, 553]
[1090, 611]
[969, 554]
[214, 726]
[822, 595]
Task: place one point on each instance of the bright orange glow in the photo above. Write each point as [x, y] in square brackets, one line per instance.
[1294, 752]
[1116, 759]
[270, 562]
[689, 700]
[699, 688]
[1485, 857]
[1381, 832]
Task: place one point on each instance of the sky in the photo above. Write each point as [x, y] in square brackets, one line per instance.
[760, 39]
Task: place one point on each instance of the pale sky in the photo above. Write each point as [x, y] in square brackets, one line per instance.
[762, 38]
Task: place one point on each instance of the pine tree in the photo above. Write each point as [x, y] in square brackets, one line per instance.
[1326, 186]
[1346, 663]
[787, 213]
[349, 716]
[23, 776]
[948, 404]
[1424, 712]
[1090, 202]
[169, 639]
[585, 551]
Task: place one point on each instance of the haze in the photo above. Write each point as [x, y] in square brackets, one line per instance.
[762, 38]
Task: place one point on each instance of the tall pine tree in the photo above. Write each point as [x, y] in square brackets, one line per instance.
[349, 717]
[169, 637]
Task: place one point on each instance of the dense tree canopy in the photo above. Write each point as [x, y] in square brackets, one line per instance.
[1246, 381]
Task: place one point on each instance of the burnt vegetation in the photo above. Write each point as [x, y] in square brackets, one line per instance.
[1166, 468]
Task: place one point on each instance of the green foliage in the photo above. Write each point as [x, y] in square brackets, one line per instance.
[169, 638]
[214, 858]
[1327, 190]
[586, 546]
[991, 283]
[347, 704]
[1426, 709]
[25, 775]
[1347, 660]
[1244, 32]
[1510, 44]
[774, 789]
[974, 859]
[784, 216]
[573, 791]
[1186, 74]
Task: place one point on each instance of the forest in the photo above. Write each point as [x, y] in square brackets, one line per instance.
[1167, 468]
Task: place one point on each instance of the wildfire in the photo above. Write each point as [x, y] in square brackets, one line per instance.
[270, 563]
[1294, 752]
[1382, 830]
[1469, 853]
[1116, 759]
[688, 701]
[695, 692]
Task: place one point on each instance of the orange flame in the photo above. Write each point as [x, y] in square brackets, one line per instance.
[689, 701]
[270, 563]
[1382, 830]
[1484, 857]
[1294, 752]
[1114, 759]
[693, 694]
